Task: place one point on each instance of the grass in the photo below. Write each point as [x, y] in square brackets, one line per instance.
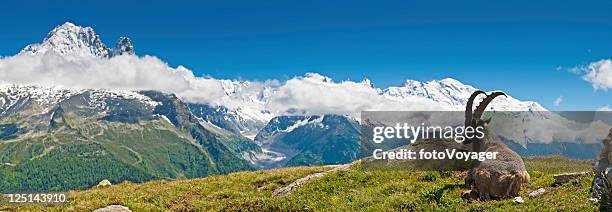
[352, 190]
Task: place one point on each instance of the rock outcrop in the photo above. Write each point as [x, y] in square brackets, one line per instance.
[284, 191]
[602, 184]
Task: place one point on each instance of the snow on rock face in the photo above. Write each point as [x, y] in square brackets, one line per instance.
[124, 46]
[99, 95]
[73, 40]
[287, 124]
[243, 104]
[12, 95]
[248, 102]
[49, 97]
[452, 95]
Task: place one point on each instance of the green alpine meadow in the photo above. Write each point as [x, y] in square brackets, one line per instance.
[347, 190]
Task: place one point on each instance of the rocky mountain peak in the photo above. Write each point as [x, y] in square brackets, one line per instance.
[124, 46]
[75, 40]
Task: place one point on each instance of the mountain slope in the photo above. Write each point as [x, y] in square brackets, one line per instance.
[66, 139]
[311, 140]
[231, 120]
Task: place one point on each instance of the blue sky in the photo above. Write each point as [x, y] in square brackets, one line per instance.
[511, 46]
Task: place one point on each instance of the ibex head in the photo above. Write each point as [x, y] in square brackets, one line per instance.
[473, 117]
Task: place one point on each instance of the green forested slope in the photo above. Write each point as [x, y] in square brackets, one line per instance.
[83, 152]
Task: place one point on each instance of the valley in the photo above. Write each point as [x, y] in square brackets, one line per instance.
[69, 135]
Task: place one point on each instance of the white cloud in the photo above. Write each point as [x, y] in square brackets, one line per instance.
[598, 73]
[310, 94]
[605, 108]
[317, 94]
[126, 72]
[558, 101]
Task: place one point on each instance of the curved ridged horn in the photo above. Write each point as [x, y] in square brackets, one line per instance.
[468, 106]
[483, 105]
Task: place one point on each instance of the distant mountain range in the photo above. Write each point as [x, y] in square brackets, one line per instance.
[86, 135]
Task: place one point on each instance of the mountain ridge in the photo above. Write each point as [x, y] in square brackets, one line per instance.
[74, 40]
[249, 102]
[150, 134]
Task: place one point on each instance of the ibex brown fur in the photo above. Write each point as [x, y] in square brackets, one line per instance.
[493, 179]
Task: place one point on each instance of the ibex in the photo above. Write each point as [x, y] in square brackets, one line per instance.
[492, 179]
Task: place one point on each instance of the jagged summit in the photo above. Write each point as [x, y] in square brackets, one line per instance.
[367, 82]
[124, 46]
[74, 40]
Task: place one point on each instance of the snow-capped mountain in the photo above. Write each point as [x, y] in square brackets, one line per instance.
[247, 99]
[38, 106]
[123, 46]
[70, 39]
[249, 103]
[241, 108]
[13, 95]
[244, 106]
[311, 140]
[452, 95]
[232, 120]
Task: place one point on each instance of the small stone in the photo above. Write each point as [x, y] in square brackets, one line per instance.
[113, 208]
[469, 195]
[536, 193]
[104, 183]
[593, 200]
[518, 200]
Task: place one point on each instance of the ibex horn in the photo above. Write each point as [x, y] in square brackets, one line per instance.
[483, 105]
[468, 106]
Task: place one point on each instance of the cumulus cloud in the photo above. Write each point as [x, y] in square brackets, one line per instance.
[558, 101]
[317, 94]
[598, 73]
[125, 72]
[604, 109]
[309, 94]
